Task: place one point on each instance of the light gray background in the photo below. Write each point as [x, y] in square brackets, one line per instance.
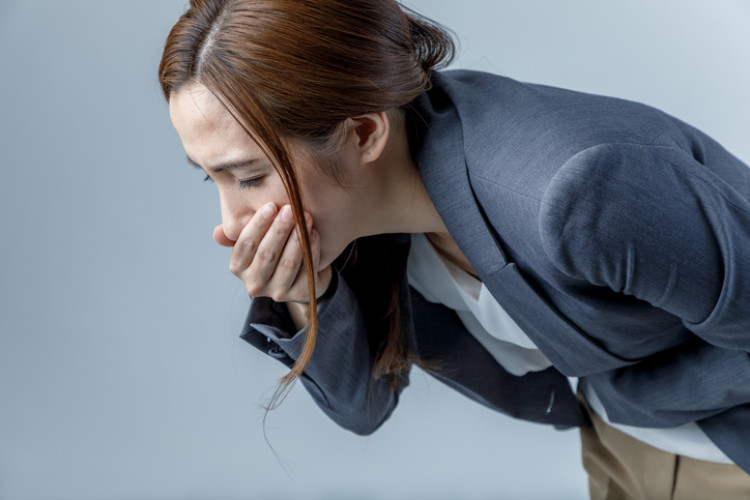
[121, 373]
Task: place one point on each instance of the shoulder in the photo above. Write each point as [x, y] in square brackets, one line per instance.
[476, 89]
[512, 130]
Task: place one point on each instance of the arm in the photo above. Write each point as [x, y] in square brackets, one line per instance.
[654, 223]
[339, 375]
[268, 259]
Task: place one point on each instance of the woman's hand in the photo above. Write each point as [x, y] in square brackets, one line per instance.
[268, 259]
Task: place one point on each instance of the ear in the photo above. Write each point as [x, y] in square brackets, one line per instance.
[370, 133]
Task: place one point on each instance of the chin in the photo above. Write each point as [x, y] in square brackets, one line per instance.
[329, 255]
[326, 260]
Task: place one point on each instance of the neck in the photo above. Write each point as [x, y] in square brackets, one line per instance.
[395, 200]
[399, 201]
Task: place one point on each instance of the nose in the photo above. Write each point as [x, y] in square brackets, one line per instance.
[234, 215]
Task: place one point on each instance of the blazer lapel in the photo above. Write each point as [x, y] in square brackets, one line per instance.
[436, 138]
[437, 145]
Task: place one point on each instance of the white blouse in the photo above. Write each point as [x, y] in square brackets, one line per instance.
[442, 282]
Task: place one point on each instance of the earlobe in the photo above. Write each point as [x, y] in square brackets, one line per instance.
[371, 131]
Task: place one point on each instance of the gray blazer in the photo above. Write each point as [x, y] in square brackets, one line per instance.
[616, 236]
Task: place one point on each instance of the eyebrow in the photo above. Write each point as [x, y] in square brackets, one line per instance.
[229, 166]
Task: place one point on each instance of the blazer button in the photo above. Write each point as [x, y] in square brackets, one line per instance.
[276, 352]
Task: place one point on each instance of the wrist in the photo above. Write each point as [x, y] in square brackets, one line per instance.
[299, 312]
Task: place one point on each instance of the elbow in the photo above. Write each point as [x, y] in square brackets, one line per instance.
[359, 410]
[361, 430]
[362, 423]
[365, 418]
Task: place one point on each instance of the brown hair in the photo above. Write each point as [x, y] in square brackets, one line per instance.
[297, 69]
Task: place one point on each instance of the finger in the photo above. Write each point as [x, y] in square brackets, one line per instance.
[270, 247]
[250, 237]
[297, 286]
[221, 237]
[299, 290]
[287, 269]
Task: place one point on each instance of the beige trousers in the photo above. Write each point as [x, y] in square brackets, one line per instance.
[621, 467]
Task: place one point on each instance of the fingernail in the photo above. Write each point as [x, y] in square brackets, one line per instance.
[286, 213]
[268, 210]
[308, 220]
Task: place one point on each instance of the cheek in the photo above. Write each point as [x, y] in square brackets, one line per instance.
[330, 210]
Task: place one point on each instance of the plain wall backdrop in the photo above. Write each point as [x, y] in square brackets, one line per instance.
[121, 372]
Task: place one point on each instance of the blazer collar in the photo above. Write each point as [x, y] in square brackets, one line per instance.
[436, 141]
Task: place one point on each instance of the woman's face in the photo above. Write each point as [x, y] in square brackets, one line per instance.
[245, 177]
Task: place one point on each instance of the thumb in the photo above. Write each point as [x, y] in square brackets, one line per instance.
[221, 238]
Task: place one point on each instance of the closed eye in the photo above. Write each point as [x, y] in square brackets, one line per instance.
[252, 182]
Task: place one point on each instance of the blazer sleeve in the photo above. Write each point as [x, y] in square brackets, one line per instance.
[339, 374]
[657, 224]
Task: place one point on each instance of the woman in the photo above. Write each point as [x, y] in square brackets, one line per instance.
[502, 235]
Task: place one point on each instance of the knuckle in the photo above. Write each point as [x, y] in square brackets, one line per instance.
[234, 268]
[245, 245]
[254, 289]
[265, 255]
[287, 264]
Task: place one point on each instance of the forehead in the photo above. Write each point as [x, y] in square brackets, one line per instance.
[207, 130]
[195, 106]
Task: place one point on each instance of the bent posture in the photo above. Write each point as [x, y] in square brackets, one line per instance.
[503, 235]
